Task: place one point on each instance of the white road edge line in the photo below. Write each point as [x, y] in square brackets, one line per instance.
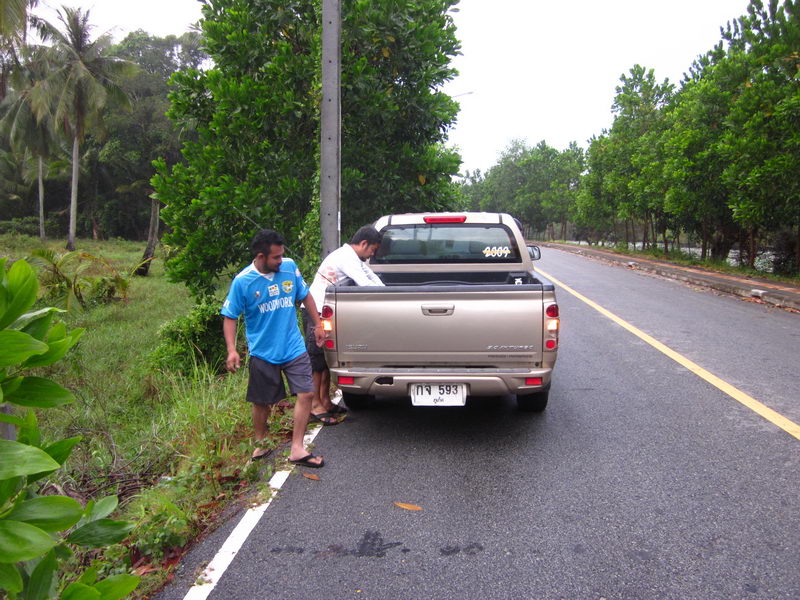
[218, 565]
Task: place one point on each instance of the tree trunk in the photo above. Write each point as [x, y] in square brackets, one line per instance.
[7, 430]
[152, 238]
[42, 235]
[73, 197]
[645, 240]
[666, 242]
[751, 260]
[797, 251]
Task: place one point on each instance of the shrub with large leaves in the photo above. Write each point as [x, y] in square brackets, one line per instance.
[37, 532]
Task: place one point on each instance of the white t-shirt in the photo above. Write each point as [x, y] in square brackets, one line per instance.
[339, 266]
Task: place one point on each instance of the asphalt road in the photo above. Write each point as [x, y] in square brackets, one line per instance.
[640, 480]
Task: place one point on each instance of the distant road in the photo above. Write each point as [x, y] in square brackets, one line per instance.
[641, 480]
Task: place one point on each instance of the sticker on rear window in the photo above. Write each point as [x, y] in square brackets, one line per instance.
[496, 251]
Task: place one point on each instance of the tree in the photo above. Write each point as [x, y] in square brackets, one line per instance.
[84, 81]
[27, 122]
[255, 161]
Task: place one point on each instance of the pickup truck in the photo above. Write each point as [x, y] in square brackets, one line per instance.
[462, 313]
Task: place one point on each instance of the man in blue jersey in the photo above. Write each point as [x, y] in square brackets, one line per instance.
[266, 292]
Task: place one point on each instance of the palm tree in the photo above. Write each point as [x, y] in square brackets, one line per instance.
[27, 121]
[14, 18]
[84, 81]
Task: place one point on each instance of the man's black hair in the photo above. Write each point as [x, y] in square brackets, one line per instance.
[264, 239]
[367, 233]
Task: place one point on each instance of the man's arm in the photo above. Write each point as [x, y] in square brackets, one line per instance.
[311, 308]
[357, 270]
[233, 361]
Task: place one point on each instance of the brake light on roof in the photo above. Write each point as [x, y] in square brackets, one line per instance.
[445, 219]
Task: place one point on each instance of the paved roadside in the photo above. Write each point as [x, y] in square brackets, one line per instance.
[783, 295]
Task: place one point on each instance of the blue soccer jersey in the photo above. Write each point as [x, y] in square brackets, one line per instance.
[268, 302]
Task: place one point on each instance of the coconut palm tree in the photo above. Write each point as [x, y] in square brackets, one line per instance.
[85, 79]
[27, 122]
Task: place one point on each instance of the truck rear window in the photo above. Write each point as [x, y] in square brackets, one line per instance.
[447, 243]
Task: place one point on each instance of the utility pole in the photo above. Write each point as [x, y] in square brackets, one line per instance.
[331, 128]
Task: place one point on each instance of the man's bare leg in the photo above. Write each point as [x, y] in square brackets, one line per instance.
[317, 404]
[302, 409]
[261, 415]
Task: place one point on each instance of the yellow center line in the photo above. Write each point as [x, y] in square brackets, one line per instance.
[770, 415]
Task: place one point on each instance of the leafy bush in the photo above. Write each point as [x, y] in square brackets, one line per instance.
[192, 340]
[67, 284]
[22, 225]
[38, 533]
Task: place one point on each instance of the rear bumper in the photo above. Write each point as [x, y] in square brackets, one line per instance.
[480, 382]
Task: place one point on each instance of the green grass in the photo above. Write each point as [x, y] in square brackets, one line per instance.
[683, 258]
[172, 447]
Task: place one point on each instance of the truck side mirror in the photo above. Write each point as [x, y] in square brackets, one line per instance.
[534, 252]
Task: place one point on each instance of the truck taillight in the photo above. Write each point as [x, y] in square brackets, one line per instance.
[345, 380]
[551, 326]
[327, 325]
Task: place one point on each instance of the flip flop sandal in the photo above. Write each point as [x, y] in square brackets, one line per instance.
[306, 462]
[325, 418]
[337, 409]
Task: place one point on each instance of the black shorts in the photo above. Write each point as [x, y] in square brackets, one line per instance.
[315, 353]
[265, 386]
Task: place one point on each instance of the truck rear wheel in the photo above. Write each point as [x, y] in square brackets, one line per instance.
[535, 402]
[356, 401]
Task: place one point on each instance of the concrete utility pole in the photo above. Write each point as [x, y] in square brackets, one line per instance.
[331, 127]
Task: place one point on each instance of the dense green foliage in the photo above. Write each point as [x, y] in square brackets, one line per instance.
[716, 159]
[121, 140]
[38, 531]
[257, 119]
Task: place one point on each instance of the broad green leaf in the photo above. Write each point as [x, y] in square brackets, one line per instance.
[10, 579]
[21, 541]
[39, 584]
[21, 290]
[19, 459]
[36, 323]
[9, 488]
[13, 420]
[116, 587]
[102, 532]
[10, 385]
[55, 352]
[17, 347]
[102, 508]
[80, 591]
[30, 433]
[57, 332]
[61, 450]
[49, 513]
[89, 576]
[38, 392]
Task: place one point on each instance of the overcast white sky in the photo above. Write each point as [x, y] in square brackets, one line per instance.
[531, 69]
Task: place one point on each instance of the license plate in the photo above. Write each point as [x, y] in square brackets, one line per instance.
[438, 394]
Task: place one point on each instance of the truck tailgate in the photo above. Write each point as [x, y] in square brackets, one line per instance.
[497, 325]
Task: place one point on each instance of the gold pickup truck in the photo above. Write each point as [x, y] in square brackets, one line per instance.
[463, 314]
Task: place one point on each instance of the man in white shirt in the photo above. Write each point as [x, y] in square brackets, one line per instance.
[344, 264]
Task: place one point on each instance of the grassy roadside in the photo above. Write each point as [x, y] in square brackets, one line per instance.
[679, 257]
[174, 448]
